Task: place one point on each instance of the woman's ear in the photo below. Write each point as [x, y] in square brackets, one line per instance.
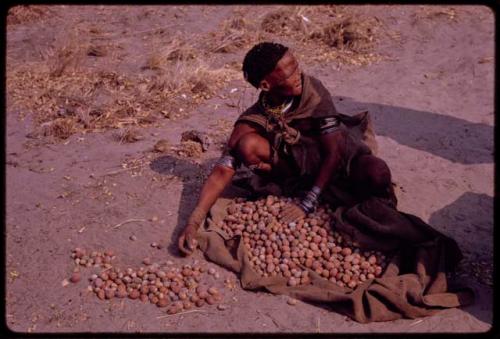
[265, 86]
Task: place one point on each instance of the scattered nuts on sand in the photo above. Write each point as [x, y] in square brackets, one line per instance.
[166, 286]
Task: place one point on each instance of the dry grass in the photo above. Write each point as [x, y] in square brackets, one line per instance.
[347, 34]
[22, 14]
[190, 149]
[174, 51]
[284, 21]
[329, 32]
[98, 100]
[321, 33]
[66, 95]
[97, 50]
[234, 34]
[129, 135]
[61, 128]
[435, 13]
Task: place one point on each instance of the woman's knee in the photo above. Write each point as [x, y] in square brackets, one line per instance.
[372, 172]
[253, 148]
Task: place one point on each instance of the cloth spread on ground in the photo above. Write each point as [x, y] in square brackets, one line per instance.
[413, 285]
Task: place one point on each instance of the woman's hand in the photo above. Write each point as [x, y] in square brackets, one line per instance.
[187, 241]
[292, 212]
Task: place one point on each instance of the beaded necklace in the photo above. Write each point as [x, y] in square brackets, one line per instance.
[276, 112]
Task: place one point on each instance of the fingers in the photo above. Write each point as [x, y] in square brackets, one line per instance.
[292, 213]
[288, 217]
[192, 243]
[187, 242]
[182, 248]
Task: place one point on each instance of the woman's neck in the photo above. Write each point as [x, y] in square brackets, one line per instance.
[276, 100]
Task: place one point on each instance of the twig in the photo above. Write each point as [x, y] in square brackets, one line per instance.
[127, 221]
[121, 170]
[416, 322]
[169, 315]
[123, 36]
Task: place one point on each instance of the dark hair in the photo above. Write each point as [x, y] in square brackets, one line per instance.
[261, 60]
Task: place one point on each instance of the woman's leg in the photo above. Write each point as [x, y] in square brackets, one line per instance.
[370, 176]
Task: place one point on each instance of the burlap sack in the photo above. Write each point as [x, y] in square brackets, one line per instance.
[413, 285]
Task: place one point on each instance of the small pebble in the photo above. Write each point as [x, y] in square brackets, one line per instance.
[75, 277]
[134, 294]
[153, 244]
[213, 291]
[173, 309]
[133, 237]
[65, 283]
[292, 301]
[221, 307]
[101, 294]
[98, 282]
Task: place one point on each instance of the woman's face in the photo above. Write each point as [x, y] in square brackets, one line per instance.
[285, 79]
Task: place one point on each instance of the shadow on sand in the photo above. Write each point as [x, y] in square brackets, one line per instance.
[189, 172]
[454, 139]
[470, 217]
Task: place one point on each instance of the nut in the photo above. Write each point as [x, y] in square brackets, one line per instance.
[75, 277]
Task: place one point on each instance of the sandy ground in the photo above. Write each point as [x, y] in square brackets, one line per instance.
[432, 103]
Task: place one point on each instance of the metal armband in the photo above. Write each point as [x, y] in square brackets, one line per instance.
[328, 125]
[227, 161]
[310, 201]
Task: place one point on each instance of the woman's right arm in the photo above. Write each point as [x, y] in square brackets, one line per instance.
[216, 183]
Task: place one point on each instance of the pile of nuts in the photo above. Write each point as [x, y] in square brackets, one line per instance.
[94, 258]
[291, 250]
[177, 288]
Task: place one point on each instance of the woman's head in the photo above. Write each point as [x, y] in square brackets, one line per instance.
[272, 67]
